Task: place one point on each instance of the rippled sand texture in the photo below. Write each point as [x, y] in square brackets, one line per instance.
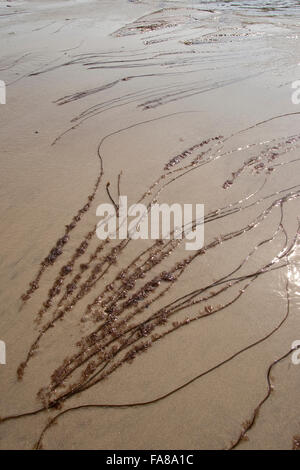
[160, 101]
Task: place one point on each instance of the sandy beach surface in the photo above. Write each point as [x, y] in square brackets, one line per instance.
[168, 101]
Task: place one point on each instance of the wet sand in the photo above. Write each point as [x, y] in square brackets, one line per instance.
[147, 81]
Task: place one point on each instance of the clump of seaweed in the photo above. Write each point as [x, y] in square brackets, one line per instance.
[126, 315]
[296, 443]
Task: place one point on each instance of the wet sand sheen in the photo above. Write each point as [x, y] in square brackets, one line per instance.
[200, 119]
